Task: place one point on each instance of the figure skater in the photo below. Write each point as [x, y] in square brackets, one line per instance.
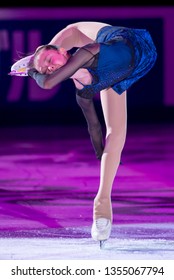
[108, 59]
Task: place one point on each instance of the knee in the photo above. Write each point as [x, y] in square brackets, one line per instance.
[115, 142]
[83, 102]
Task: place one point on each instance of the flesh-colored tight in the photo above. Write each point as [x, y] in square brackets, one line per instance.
[114, 108]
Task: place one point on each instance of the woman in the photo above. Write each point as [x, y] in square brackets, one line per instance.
[109, 60]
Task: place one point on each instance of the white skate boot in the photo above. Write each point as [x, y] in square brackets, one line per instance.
[101, 230]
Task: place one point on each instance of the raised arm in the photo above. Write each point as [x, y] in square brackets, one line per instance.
[82, 58]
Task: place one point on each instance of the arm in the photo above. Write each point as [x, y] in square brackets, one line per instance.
[82, 57]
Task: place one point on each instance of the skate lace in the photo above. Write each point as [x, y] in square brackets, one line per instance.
[101, 223]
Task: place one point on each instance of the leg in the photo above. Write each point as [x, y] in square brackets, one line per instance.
[115, 114]
[94, 127]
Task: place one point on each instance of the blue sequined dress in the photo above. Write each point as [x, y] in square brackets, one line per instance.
[125, 56]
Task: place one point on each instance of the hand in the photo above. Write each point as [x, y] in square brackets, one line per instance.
[32, 72]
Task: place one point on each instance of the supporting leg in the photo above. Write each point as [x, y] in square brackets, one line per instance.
[115, 114]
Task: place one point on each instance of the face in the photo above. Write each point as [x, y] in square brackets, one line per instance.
[47, 61]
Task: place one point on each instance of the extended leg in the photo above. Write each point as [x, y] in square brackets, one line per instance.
[94, 126]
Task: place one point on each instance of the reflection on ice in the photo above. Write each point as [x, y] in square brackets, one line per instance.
[128, 242]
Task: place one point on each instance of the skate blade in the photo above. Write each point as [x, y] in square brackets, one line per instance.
[102, 244]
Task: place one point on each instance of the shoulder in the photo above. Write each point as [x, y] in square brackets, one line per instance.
[94, 48]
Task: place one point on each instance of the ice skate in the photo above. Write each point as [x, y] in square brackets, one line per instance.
[101, 230]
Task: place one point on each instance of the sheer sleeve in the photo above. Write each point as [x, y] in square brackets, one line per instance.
[83, 57]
